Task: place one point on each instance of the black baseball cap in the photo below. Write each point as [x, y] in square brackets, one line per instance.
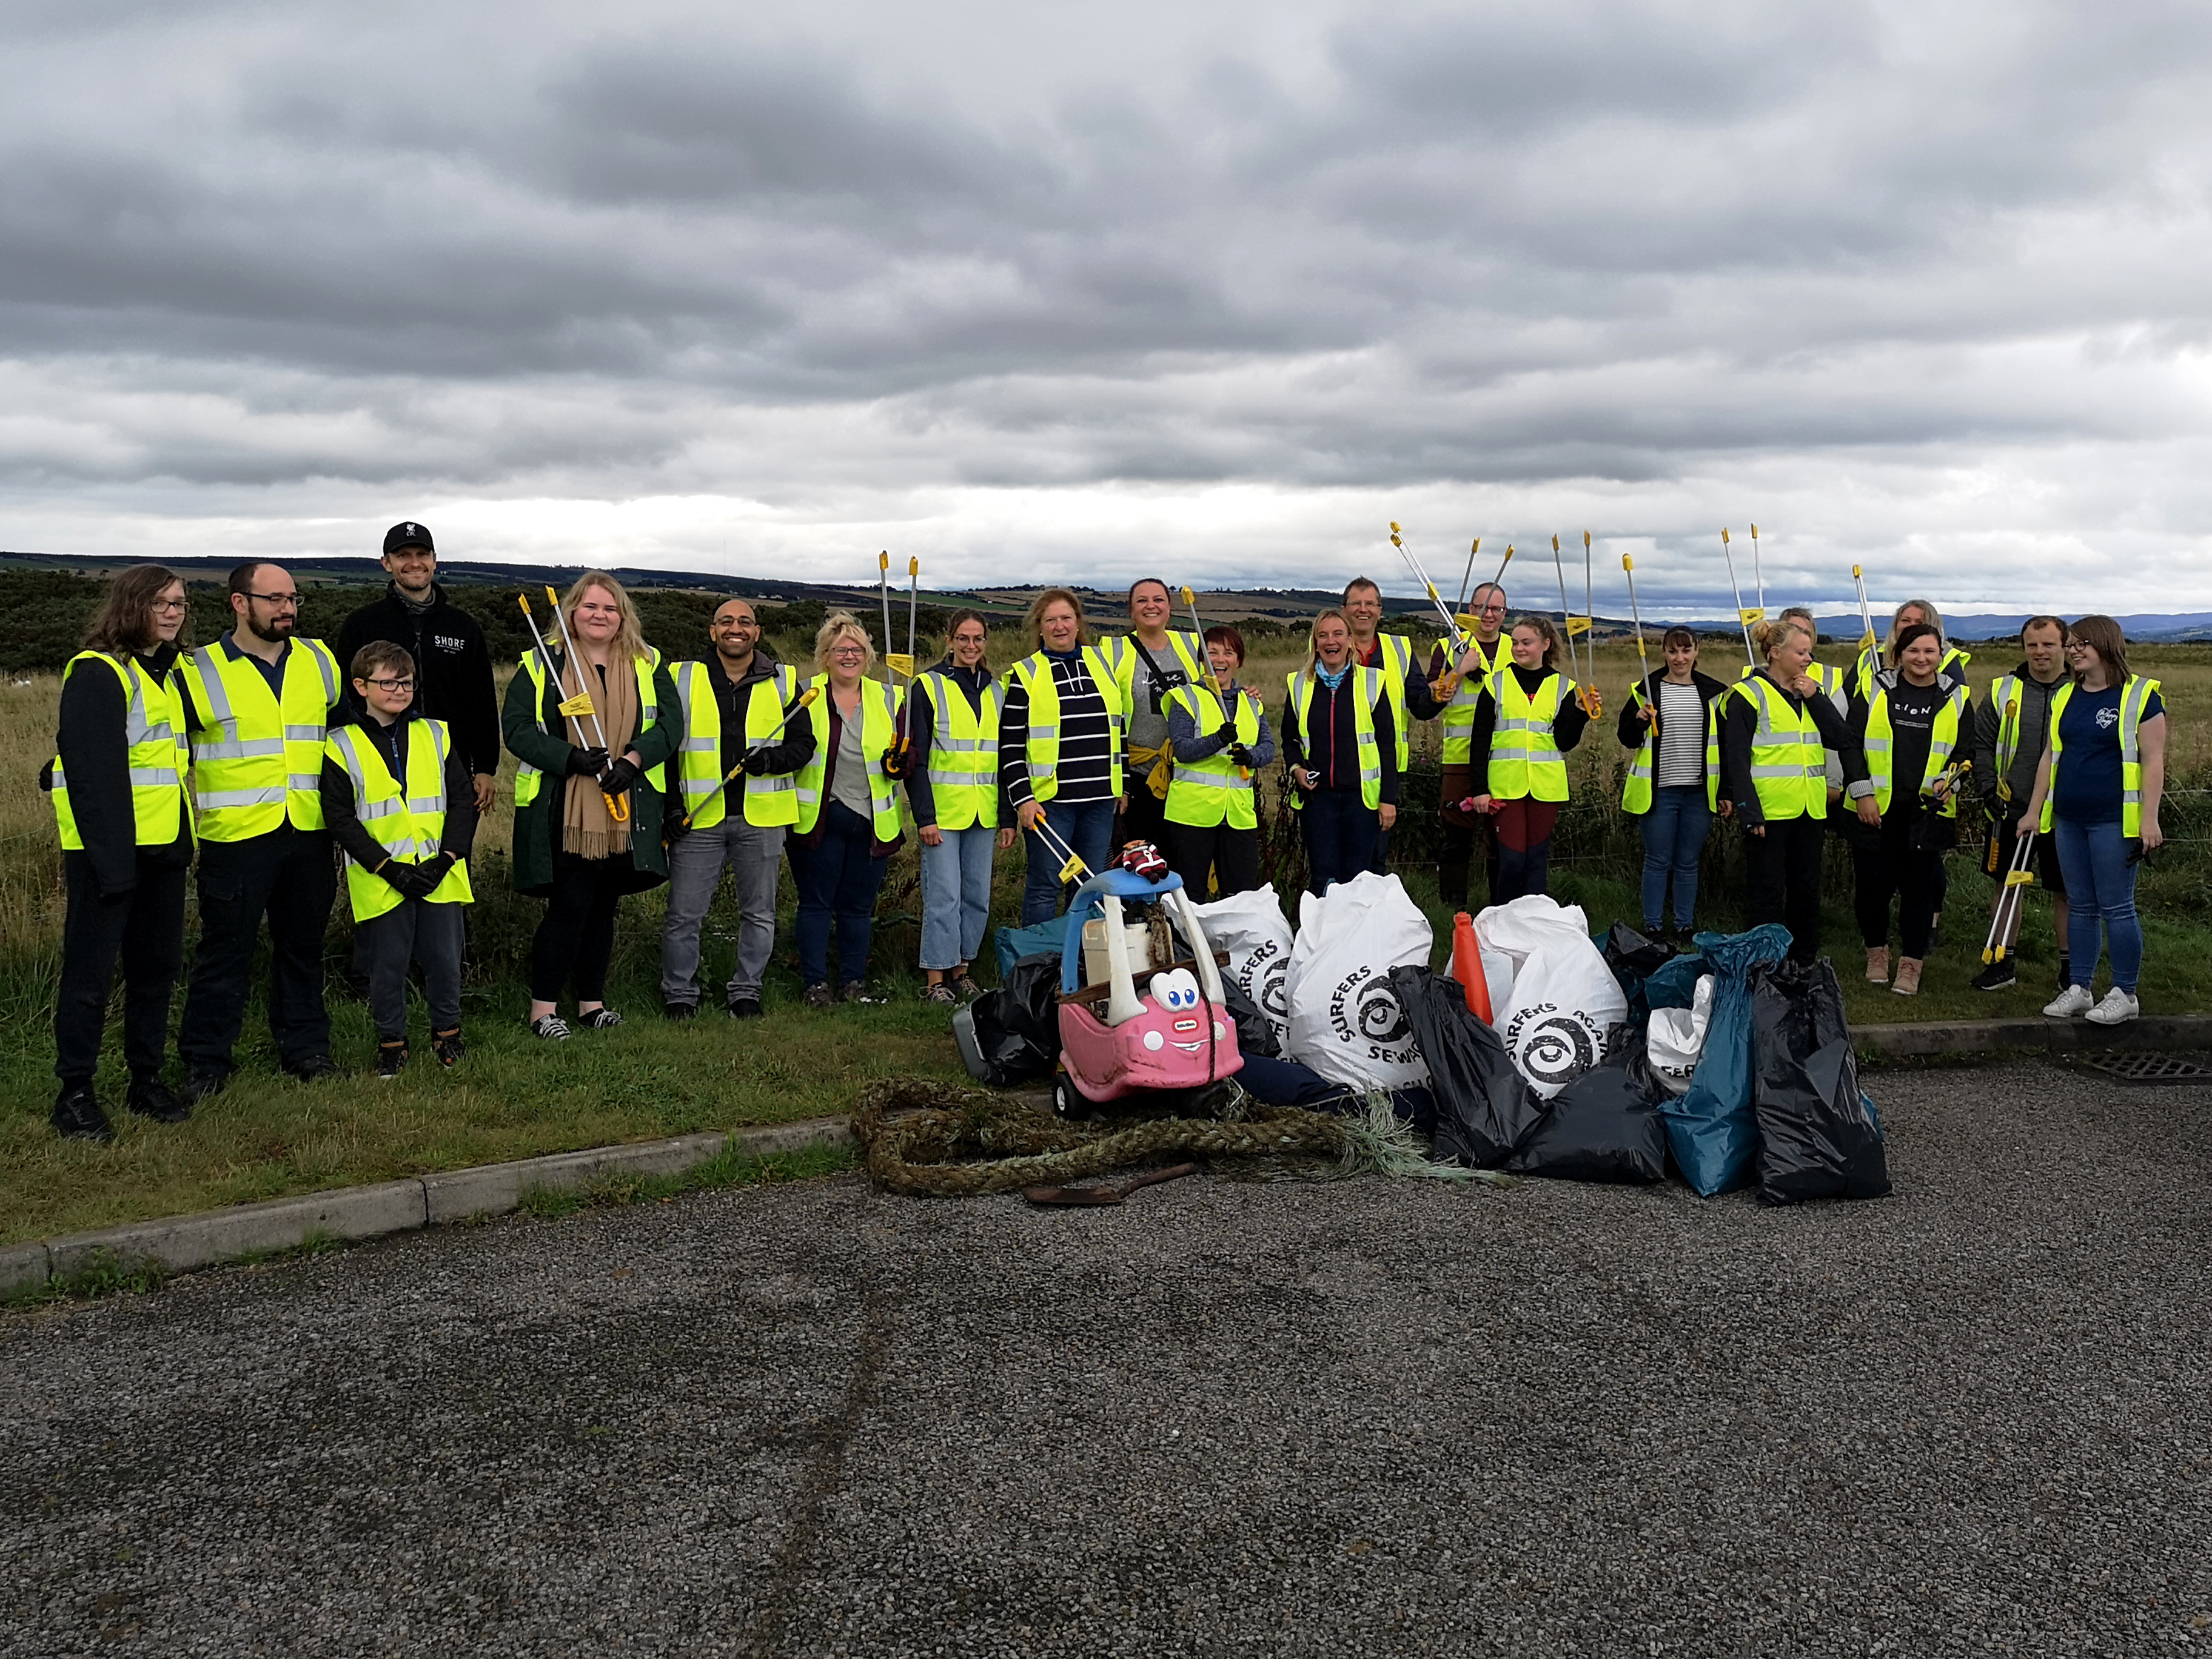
[408, 535]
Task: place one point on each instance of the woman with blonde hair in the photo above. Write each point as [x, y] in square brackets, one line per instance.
[848, 812]
[1340, 745]
[594, 833]
[1060, 747]
[952, 785]
[1525, 719]
[1775, 728]
[2097, 793]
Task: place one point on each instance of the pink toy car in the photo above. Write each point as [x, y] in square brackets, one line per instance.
[1178, 1035]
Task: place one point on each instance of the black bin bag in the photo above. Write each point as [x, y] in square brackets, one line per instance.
[1818, 1133]
[1601, 1127]
[1014, 1034]
[1483, 1108]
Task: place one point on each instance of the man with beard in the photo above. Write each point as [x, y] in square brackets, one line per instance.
[258, 703]
[452, 662]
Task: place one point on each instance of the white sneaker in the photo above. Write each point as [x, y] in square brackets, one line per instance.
[2116, 1009]
[2074, 1000]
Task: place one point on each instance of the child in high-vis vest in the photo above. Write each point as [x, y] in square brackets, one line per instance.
[402, 807]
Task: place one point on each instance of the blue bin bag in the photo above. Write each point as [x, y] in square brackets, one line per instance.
[1045, 939]
[1712, 1130]
[1674, 984]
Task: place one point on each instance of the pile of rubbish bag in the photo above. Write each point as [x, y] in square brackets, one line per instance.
[1566, 1056]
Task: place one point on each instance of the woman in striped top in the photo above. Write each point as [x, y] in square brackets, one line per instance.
[1059, 748]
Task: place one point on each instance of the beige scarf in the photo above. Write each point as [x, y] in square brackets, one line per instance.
[587, 828]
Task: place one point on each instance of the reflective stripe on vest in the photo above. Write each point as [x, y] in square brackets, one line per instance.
[1789, 768]
[1041, 751]
[1881, 747]
[1367, 684]
[1525, 762]
[1637, 793]
[963, 754]
[880, 707]
[1457, 721]
[2135, 695]
[408, 825]
[260, 763]
[1209, 792]
[1397, 653]
[2007, 696]
[155, 756]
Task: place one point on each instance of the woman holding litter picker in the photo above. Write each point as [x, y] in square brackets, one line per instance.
[1150, 661]
[1221, 740]
[1673, 776]
[1059, 748]
[2097, 793]
[848, 813]
[952, 784]
[593, 834]
[1908, 729]
[1774, 726]
[1526, 720]
[1341, 746]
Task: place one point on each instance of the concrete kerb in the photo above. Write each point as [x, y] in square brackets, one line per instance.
[2148, 1034]
[182, 1243]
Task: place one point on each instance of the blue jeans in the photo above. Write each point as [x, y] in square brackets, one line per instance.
[1340, 831]
[1086, 826]
[837, 879]
[956, 897]
[1674, 838]
[2100, 882]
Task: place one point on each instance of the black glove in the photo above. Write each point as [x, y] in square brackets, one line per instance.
[1240, 753]
[894, 762]
[413, 881]
[617, 778]
[757, 763]
[586, 762]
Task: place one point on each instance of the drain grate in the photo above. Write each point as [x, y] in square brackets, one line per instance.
[2147, 1068]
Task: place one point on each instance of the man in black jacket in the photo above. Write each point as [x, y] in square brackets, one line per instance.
[453, 664]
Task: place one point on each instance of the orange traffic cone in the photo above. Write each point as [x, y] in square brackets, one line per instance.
[1467, 968]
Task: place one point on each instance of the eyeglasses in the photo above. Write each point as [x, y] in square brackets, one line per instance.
[850, 653]
[2077, 645]
[392, 686]
[1493, 610]
[282, 601]
[168, 607]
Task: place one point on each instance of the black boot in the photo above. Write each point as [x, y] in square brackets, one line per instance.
[151, 1098]
[77, 1115]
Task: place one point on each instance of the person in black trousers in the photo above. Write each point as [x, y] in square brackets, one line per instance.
[117, 783]
[1323, 754]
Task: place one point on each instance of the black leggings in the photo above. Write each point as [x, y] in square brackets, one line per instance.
[1892, 867]
[1231, 856]
[577, 937]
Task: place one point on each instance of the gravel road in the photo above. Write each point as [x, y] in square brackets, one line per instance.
[1232, 1417]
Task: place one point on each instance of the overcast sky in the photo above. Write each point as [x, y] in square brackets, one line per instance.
[1040, 292]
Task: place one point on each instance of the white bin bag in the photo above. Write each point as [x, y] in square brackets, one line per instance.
[1251, 927]
[1344, 1020]
[1677, 1037]
[1564, 1001]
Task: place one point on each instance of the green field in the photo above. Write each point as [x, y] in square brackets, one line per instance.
[267, 1136]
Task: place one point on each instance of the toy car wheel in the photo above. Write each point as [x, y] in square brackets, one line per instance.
[1065, 1101]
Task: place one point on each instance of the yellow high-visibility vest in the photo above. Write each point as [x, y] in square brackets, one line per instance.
[529, 778]
[1042, 753]
[770, 799]
[1637, 792]
[1368, 690]
[154, 736]
[1789, 767]
[1206, 793]
[2135, 694]
[1881, 742]
[963, 754]
[880, 707]
[406, 824]
[257, 761]
[1524, 759]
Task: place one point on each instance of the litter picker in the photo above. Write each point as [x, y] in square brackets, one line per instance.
[1466, 576]
[1568, 619]
[2012, 899]
[1075, 869]
[581, 703]
[1229, 714]
[1866, 651]
[806, 701]
[1589, 698]
[1758, 578]
[894, 662]
[1451, 623]
[1744, 618]
[1642, 661]
[884, 593]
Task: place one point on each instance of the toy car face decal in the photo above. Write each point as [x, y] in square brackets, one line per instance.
[1175, 991]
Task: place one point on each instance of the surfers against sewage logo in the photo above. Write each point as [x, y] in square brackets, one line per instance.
[1265, 976]
[1364, 1010]
[1554, 1045]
